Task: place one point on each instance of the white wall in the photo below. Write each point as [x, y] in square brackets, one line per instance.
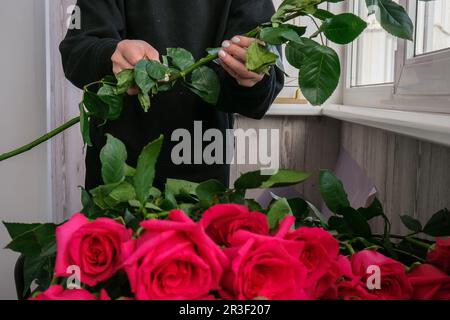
[23, 180]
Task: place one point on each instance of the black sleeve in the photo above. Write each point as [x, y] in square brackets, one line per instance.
[252, 102]
[86, 53]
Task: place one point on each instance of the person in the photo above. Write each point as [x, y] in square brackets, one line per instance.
[116, 34]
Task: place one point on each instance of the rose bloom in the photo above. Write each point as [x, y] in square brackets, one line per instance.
[320, 256]
[264, 267]
[94, 247]
[223, 220]
[394, 282]
[429, 283]
[173, 260]
[57, 292]
[440, 256]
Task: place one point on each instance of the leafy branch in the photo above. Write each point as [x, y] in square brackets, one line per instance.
[318, 64]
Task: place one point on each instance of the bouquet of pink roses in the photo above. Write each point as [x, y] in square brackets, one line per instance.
[205, 241]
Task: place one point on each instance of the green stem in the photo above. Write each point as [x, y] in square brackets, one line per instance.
[349, 247]
[418, 243]
[40, 140]
[203, 61]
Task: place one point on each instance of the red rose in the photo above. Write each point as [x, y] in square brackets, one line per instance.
[440, 256]
[429, 283]
[57, 292]
[223, 220]
[319, 254]
[394, 282]
[173, 260]
[264, 267]
[94, 247]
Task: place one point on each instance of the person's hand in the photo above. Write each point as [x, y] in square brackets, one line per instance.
[128, 53]
[232, 58]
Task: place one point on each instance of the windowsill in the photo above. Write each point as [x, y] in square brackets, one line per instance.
[433, 127]
[294, 110]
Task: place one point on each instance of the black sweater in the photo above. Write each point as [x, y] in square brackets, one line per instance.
[194, 25]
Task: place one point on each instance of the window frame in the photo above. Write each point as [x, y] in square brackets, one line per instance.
[412, 89]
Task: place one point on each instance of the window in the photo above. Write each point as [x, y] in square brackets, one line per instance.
[383, 71]
[433, 26]
[373, 53]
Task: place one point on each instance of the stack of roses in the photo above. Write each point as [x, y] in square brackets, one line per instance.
[231, 254]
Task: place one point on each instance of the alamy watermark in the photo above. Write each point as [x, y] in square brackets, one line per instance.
[239, 146]
[73, 21]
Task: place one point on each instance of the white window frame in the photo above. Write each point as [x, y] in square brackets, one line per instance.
[413, 88]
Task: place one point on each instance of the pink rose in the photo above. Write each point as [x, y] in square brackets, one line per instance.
[394, 282]
[440, 256]
[319, 254]
[95, 247]
[264, 267]
[223, 220]
[429, 283]
[173, 260]
[57, 292]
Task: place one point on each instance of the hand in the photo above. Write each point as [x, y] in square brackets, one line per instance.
[232, 59]
[128, 53]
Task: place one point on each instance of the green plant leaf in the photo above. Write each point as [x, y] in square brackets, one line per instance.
[392, 17]
[297, 51]
[411, 223]
[259, 58]
[144, 100]
[283, 178]
[343, 28]
[319, 74]
[277, 212]
[181, 58]
[439, 224]
[280, 35]
[113, 157]
[206, 84]
[85, 126]
[32, 242]
[373, 211]
[95, 105]
[114, 102]
[141, 77]
[333, 192]
[111, 195]
[156, 70]
[356, 222]
[210, 191]
[125, 80]
[145, 170]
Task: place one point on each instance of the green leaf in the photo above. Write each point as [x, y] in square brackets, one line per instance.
[17, 229]
[323, 14]
[125, 80]
[279, 35]
[178, 187]
[283, 178]
[32, 242]
[156, 70]
[113, 157]
[114, 102]
[85, 126]
[213, 51]
[392, 17]
[277, 212]
[319, 74]
[206, 84]
[356, 222]
[411, 223]
[439, 224]
[259, 58]
[373, 211]
[145, 170]
[333, 192]
[181, 58]
[95, 105]
[143, 80]
[144, 100]
[296, 52]
[110, 196]
[209, 192]
[343, 28]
